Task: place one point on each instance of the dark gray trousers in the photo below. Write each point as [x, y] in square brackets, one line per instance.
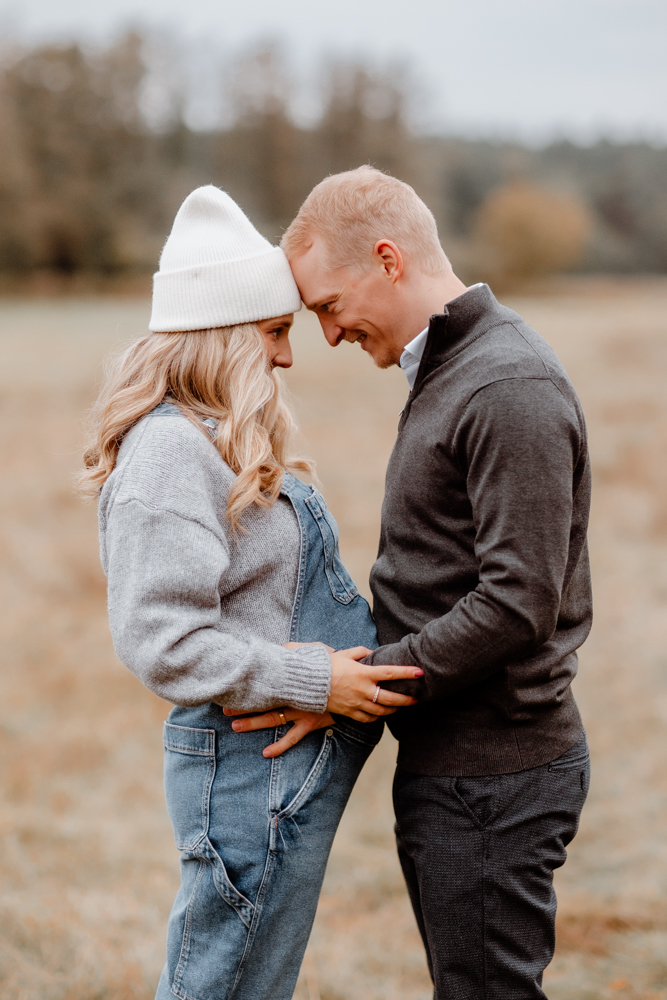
[478, 855]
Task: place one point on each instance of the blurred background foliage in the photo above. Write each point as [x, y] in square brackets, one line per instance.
[98, 151]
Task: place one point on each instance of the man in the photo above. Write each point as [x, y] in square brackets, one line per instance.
[481, 579]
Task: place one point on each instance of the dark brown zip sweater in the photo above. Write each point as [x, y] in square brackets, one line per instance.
[482, 574]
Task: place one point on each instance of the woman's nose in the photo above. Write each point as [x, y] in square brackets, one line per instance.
[283, 358]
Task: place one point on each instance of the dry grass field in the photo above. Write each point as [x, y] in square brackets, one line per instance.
[88, 868]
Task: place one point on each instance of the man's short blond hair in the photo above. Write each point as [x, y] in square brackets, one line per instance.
[353, 210]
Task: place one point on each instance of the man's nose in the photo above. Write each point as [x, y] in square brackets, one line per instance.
[333, 333]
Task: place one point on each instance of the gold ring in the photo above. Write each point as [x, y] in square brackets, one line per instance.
[377, 694]
[283, 720]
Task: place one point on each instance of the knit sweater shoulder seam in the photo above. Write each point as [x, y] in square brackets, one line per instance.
[175, 513]
[419, 385]
[497, 381]
[535, 352]
[487, 329]
[582, 428]
[511, 378]
[534, 378]
[181, 423]
[197, 423]
[124, 469]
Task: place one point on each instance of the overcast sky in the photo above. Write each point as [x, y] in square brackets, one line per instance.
[531, 69]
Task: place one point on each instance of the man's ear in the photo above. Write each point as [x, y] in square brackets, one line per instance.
[389, 257]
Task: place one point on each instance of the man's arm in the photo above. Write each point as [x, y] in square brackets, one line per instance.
[519, 440]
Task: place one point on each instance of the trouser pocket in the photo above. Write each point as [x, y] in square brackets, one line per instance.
[576, 757]
[478, 855]
[577, 760]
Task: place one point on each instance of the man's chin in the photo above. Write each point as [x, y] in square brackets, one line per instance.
[380, 358]
[383, 360]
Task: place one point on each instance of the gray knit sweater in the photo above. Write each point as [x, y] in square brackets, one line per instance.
[197, 612]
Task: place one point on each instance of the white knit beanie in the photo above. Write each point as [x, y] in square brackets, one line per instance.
[217, 270]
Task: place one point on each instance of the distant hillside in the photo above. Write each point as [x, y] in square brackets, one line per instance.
[87, 186]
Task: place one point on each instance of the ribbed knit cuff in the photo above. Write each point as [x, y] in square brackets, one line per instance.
[307, 678]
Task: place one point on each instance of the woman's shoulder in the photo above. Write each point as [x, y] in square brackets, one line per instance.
[166, 439]
[167, 462]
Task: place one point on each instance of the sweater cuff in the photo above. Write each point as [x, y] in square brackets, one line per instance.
[307, 678]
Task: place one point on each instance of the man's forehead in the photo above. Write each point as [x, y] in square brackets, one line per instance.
[317, 282]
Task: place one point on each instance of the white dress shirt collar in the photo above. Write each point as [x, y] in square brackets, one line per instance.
[412, 355]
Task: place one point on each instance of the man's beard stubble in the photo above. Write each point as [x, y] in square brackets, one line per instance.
[385, 360]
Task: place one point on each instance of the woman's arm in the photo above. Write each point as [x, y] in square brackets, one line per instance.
[164, 573]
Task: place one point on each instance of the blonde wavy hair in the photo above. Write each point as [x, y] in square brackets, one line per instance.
[221, 373]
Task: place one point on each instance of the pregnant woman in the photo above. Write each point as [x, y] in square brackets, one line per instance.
[226, 588]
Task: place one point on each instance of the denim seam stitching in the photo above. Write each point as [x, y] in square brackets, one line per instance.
[252, 930]
[206, 796]
[205, 810]
[273, 783]
[296, 606]
[317, 512]
[185, 943]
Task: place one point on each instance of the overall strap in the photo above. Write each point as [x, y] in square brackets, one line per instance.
[168, 409]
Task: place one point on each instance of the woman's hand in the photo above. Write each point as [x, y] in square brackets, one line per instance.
[354, 686]
[304, 723]
[355, 690]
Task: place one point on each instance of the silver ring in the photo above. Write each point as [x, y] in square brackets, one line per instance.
[377, 693]
[283, 720]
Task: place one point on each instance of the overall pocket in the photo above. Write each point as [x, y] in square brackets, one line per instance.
[341, 583]
[189, 769]
[284, 806]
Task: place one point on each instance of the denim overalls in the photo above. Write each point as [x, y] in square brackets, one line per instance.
[255, 834]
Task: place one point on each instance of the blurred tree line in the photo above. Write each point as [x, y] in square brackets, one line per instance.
[89, 184]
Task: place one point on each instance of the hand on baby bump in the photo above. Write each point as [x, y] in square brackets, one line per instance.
[355, 692]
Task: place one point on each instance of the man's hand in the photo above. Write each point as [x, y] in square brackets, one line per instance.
[304, 723]
[355, 690]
